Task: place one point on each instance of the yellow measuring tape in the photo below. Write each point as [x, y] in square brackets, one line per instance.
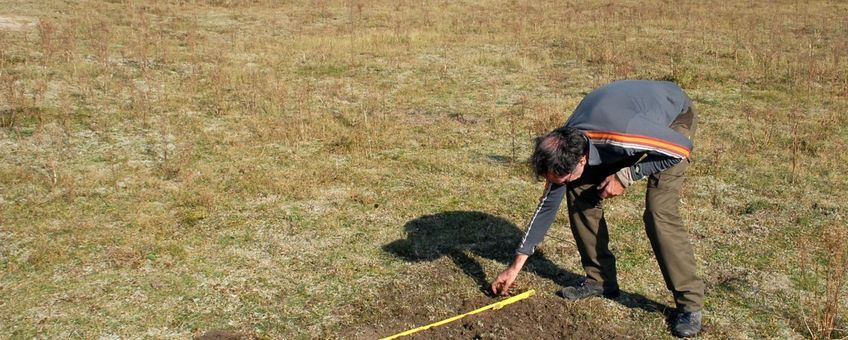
[496, 305]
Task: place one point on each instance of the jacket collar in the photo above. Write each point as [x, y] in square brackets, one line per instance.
[594, 157]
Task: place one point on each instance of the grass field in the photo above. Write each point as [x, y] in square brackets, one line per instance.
[350, 169]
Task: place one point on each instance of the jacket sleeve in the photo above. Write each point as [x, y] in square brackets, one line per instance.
[652, 164]
[542, 218]
[664, 148]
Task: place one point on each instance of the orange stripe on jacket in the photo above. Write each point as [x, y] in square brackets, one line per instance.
[649, 142]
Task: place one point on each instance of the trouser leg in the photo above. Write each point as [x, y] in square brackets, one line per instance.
[586, 216]
[669, 237]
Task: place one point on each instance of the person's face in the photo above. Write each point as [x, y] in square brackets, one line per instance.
[574, 175]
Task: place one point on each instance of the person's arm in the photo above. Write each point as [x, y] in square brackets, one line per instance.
[537, 228]
[652, 164]
[542, 219]
[617, 183]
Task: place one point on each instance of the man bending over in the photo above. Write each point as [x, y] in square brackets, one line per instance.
[618, 134]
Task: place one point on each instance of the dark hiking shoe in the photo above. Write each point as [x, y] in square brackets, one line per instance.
[687, 324]
[587, 289]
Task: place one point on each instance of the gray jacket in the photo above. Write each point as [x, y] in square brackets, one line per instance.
[622, 119]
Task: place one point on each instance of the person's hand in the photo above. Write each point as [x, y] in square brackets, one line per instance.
[611, 187]
[504, 282]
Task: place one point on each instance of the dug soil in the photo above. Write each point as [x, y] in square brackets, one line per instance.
[544, 316]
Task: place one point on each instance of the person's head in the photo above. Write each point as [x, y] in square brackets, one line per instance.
[560, 155]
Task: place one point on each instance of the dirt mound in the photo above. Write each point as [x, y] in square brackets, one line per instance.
[222, 334]
[542, 316]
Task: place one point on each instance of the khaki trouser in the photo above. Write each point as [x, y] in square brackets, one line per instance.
[665, 229]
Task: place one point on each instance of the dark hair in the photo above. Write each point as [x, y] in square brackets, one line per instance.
[558, 151]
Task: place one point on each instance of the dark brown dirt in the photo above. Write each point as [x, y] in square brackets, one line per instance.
[537, 317]
[220, 334]
[544, 316]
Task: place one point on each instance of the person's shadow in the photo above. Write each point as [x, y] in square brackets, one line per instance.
[454, 233]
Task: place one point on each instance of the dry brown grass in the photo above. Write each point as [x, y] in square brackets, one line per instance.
[174, 167]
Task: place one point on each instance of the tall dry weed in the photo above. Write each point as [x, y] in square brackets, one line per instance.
[824, 304]
[12, 94]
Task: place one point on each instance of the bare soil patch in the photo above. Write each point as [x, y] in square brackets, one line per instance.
[222, 334]
[17, 23]
[542, 316]
[538, 317]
